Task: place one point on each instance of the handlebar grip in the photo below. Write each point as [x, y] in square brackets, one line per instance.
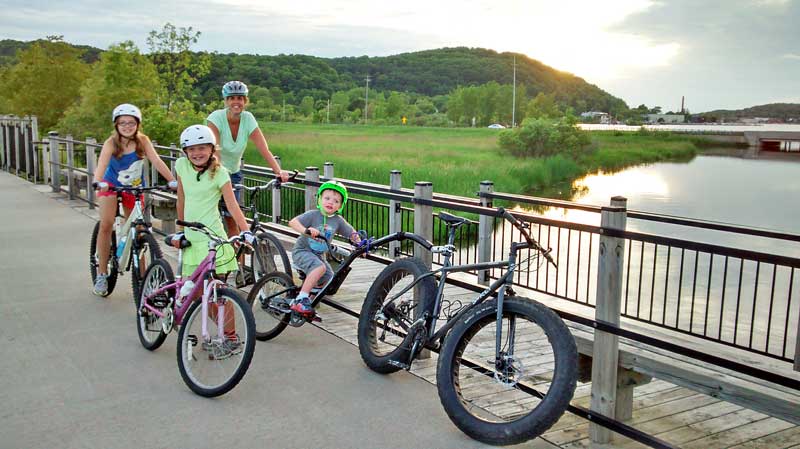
[190, 224]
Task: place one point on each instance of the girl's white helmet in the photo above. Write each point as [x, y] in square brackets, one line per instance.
[196, 135]
[126, 109]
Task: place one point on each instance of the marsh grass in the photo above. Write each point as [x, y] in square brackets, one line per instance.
[456, 160]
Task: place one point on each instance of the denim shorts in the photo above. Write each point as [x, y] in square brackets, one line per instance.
[236, 178]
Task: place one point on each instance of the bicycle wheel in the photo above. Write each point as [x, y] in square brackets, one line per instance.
[383, 339]
[269, 256]
[151, 327]
[112, 269]
[213, 366]
[145, 251]
[497, 402]
[269, 301]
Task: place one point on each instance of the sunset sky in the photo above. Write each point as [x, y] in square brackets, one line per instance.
[719, 54]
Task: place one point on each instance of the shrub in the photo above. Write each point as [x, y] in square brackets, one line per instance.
[540, 137]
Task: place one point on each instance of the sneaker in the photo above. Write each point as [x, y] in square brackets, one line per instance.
[232, 344]
[101, 285]
[302, 306]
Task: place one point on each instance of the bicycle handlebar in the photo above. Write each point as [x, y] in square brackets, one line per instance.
[530, 240]
[132, 189]
[200, 227]
[274, 183]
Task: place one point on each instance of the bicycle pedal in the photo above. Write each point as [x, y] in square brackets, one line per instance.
[316, 318]
[402, 365]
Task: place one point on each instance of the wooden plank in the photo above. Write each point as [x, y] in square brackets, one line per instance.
[779, 440]
[740, 434]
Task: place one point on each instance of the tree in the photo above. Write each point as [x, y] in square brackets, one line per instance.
[543, 106]
[123, 75]
[45, 81]
[178, 67]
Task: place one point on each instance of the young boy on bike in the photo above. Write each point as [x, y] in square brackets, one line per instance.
[316, 228]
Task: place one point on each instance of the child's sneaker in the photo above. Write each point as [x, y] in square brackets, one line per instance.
[302, 306]
[101, 285]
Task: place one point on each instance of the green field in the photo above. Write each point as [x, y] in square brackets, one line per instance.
[457, 159]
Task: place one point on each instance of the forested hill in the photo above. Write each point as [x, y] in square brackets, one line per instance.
[438, 72]
[430, 73]
[782, 111]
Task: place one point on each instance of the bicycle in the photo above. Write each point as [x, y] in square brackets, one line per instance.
[135, 257]
[269, 254]
[272, 295]
[507, 366]
[226, 343]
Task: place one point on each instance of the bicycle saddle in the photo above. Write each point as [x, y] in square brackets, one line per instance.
[451, 219]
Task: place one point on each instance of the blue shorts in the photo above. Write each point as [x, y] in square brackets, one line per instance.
[306, 261]
[236, 178]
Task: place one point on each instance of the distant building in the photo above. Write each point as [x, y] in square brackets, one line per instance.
[665, 118]
[602, 117]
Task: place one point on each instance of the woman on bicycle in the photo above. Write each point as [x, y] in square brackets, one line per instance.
[121, 163]
[232, 128]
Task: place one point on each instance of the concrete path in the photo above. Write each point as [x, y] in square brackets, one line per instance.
[75, 376]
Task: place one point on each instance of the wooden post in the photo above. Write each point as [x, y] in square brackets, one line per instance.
[3, 152]
[55, 162]
[26, 148]
[16, 146]
[70, 163]
[312, 174]
[91, 164]
[276, 204]
[173, 150]
[395, 213]
[327, 170]
[605, 356]
[797, 348]
[485, 232]
[423, 219]
[34, 151]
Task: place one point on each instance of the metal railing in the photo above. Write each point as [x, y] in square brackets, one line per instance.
[737, 297]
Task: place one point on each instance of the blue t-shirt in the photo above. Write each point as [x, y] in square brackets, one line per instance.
[127, 170]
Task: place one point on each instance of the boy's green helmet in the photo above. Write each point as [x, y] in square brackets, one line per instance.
[332, 185]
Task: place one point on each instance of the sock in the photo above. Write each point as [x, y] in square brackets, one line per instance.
[301, 295]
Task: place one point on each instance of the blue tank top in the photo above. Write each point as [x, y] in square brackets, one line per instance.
[126, 170]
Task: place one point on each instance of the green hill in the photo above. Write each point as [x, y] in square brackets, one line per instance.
[780, 111]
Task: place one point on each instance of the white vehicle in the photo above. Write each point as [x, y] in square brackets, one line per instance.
[496, 126]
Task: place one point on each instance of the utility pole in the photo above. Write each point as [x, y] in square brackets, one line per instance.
[283, 114]
[366, 101]
[328, 116]
[514, 96]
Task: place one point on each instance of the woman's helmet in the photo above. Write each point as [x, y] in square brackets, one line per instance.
[332, 185]
[196, 135]
[126, 109]
[232, 88]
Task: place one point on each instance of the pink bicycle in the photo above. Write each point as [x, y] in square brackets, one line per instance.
[216, 339]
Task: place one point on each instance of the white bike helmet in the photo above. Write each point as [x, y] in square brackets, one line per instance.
[126, 109]
[232, 88]
[196, 135]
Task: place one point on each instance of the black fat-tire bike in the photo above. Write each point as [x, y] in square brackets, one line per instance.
[507, 366]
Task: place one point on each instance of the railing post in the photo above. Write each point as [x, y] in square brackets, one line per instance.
[327, 170]
[423, 219]
[173, 150]
[605, 356]
[797, 348]
[312, 174]
[26, 148]
[55, 162]
[70, 163]
[34, 152]
[485, 231]
[91, 164]
[16, 146]
[395, 213]
[3, 152]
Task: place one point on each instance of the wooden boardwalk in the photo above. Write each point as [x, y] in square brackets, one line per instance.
[674, 414]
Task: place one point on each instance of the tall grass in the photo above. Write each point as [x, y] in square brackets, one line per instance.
[457, 160]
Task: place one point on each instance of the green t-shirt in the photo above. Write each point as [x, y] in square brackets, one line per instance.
[200, 203]
[230, 149]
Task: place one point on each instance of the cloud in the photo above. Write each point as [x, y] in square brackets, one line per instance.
[791, 56]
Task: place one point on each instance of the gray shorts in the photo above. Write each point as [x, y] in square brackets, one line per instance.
[307, 262]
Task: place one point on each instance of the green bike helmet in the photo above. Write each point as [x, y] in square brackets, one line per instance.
[332, 185]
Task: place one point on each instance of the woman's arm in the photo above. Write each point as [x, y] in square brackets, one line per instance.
[257, 137]
[214, 130]
[181, 200]
[233, 207]
[155, 159]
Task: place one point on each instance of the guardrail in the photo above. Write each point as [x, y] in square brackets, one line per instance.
[739, 298]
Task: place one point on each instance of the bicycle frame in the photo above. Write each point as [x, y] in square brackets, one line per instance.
[208, 287]
[127, 229]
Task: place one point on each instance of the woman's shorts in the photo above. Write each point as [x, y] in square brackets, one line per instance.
[236, 178]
